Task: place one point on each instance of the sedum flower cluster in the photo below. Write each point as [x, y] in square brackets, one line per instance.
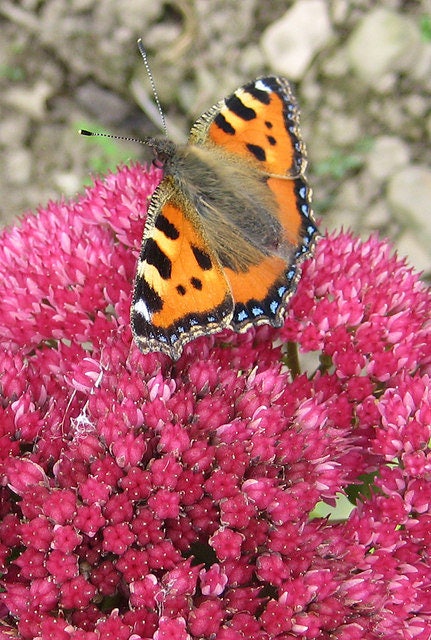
[145, 499]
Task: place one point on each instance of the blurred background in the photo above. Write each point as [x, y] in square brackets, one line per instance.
[361, 72]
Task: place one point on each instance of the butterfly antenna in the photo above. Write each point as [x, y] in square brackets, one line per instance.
[153, 85]
[94, 134]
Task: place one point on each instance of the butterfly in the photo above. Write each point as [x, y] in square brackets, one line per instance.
[229, 224]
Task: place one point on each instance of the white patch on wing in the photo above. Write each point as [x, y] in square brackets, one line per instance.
[259, 84]
[141, 308]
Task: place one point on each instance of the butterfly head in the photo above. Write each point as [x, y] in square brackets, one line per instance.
[163, 148]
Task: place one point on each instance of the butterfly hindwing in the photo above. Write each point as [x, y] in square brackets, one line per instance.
[180, 290]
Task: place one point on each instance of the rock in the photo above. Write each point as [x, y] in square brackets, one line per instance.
[130, 13]
[18, 166]
[14, 129]
[336, 65]
[377, 216]
[419, 256]
[291, 42]
[30, 100]
[67, 181]
[421, 69]
[383, 44]
[388, 154]
[347, 207]
[101, 103]
[344, 129]
[409, 195]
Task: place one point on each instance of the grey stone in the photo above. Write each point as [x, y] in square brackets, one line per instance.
[382, 44]
[377, 216]
[30, 100]
[417, 254]
[409, 195]
[18, 166]
[67, 182]
[344, 129]
[387, 155]
[290, 43]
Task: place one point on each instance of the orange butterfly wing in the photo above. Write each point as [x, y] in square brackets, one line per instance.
[180, 289]
[260, 123]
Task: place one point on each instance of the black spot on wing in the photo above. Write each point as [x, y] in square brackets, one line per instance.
[257, 151]
[202, 258]
[152, 254]
[272, 141]
[258, 94]
[181, 290]
[165, 226]
[224, 125]
[237, 107]
[196, 283]
[143, 291]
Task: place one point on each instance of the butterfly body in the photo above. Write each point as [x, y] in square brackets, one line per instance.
[228, 225]
[232, 219]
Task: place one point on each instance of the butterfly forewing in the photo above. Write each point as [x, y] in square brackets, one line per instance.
[180, 290]
[260, 123]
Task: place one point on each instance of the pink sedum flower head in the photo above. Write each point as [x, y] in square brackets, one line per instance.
[143, 499]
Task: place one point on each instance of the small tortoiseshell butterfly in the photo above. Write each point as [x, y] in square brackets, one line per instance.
[229, 225]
